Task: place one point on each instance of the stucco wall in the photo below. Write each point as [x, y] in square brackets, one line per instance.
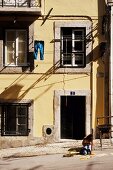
[40, 84]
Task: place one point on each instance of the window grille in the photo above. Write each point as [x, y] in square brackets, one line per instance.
[14, 120]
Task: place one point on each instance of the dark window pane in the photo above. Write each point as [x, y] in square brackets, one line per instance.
[67, 59]
[10, 120]
[78, 46]
[22, 110]
[79, 59]
[67, 40]
[79, 35]
[79, 62]
[22, 130]
[67, 32]
[67, 45]
[21, 120]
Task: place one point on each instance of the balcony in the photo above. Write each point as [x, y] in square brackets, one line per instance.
[20, 6]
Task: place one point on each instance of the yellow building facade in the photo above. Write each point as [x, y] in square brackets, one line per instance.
[52, 71]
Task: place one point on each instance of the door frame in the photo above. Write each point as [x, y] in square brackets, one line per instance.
[57, 112]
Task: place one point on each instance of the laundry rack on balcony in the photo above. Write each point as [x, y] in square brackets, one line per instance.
[104, 126]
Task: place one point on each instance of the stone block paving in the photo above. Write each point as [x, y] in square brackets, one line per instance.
[46, 149]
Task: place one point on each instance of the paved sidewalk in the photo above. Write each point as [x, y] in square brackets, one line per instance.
[55, 148]
[98, 161]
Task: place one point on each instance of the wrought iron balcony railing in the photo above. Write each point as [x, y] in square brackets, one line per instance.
[20, 3]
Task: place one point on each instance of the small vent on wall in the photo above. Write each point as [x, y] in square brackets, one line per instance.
[48, 133]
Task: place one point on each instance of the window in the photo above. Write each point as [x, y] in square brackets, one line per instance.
[14, 120]
[73, 47]
[15, 47]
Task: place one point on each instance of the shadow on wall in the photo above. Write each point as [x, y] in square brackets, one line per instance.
[11, 92]
[100, 81]
[101, 13]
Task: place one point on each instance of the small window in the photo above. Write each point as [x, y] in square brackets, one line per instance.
[73, 47]
[14, 120]
[15, 47]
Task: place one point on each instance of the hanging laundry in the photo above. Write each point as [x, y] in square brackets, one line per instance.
[39, 48]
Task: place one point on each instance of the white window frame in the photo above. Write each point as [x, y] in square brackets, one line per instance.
[16, 48]
[74, 53]
[87, 24]
[77, 40]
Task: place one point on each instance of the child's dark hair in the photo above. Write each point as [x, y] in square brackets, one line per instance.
[89, 137]
[87, 140]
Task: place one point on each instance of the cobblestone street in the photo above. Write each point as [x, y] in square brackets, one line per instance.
[55, 148]
[99, 160]
[56, 156]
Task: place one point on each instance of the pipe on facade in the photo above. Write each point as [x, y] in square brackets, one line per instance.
[79, 16]
[111, 69]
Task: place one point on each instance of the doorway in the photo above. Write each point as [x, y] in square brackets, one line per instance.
[72, 117]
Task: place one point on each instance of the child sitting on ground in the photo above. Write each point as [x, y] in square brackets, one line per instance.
[87, 145]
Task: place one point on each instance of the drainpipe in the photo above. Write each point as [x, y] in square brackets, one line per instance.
[111, 69]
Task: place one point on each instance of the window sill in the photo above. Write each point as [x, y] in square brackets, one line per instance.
[15, 69]
[72, 70]
[21, 65]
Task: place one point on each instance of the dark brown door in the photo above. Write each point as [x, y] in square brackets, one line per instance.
[73, 117]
